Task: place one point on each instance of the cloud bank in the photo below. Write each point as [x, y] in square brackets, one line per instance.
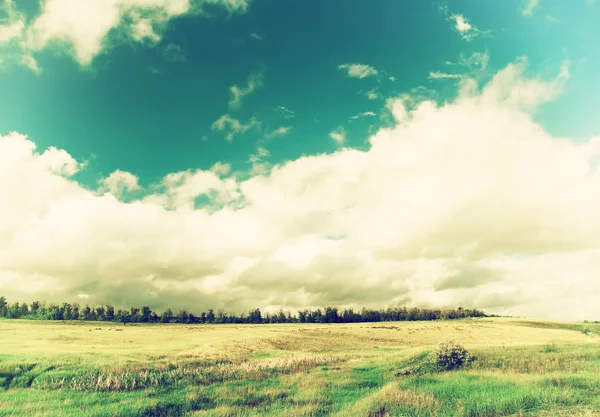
[468, 203]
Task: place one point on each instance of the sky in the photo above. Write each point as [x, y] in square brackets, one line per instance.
[233, 154]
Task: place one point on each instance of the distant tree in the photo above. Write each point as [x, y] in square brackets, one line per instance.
[255, 316]
[35, 306]
[124, 316]
[210, 317]
[182, 316]
[109, 313]
[331, 315]
[154, 318]
[75, 313]
[3, 307]
[86, 313]
[203, 317]
[167, 316]
[14, 311]
[67, 310]
[24, 310]
[100, 313]
[146, 313]
[135, 315]
[317, 316]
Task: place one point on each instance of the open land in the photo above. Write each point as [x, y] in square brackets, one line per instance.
[522, 367]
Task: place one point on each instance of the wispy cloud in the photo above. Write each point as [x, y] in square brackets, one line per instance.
[364, 114]
[461, 24]
[285, 112]
[372, 95]
[256, 36]
[280, 131]
[437, 75]
[466, 30]
[338, 135]
[530, 6]
[234, 127]
[237, 93]
[174, 53]
[358, 70]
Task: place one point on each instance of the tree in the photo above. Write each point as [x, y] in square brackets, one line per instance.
[123, 316]
[110, 313]
[167, 316]
[24, 310]
[210, 317]
[86, 313]
[146, 312]
[135, 314]
[255, 316]
[14, 311]
[35, 306]
[3, 305]
[182, 317]
[331, 315]
[100, 313]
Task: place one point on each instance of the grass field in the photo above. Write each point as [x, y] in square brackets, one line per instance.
[521, 367]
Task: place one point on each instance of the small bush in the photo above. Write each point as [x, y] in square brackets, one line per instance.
[451, 355]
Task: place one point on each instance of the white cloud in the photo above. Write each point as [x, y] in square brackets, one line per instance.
[338, 135]
[233, 126]
[472, 198]
[530, 6]
[285, 112]
[256, 36]
[466, 30]
[461, 24]
[358, 70]
[372, 95]
[84, 27]
[11, 31]
[120, 182]
[280, 131]
[364, 114]
[437, 75]
[255, 81]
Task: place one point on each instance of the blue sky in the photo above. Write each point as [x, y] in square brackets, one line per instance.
[133, 108]
[149, 90]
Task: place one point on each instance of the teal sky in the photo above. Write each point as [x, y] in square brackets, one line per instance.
[298, 153]
[134, 109]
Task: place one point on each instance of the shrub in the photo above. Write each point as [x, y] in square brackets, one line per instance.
[451, 355]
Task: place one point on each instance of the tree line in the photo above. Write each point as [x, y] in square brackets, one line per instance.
[68, 312]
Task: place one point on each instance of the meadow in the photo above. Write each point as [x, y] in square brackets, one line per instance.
[521, 368]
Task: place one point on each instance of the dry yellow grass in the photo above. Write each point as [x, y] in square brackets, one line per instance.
[152, 342]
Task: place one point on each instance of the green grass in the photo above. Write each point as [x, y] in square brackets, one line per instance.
[521, 368]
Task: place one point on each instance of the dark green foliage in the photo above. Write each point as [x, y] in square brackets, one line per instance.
[451, 355]
[66, 311]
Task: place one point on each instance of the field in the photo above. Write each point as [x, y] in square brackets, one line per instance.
[521, 367]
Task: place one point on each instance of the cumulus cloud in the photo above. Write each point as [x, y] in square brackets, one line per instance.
[468, 203]
[84, 27]
[120, 182]
[359, 70]
[255, 81]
